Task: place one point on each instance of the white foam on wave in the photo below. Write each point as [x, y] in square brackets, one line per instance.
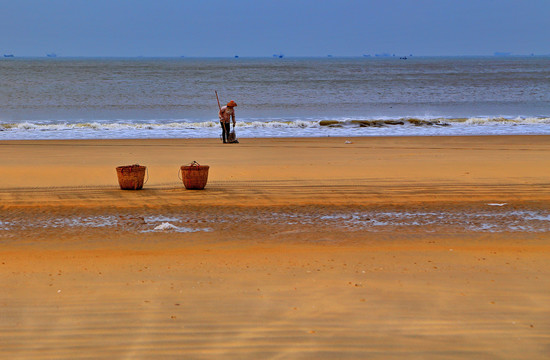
[508, 120]
[104, 125]
[278, 124]
[182, 128]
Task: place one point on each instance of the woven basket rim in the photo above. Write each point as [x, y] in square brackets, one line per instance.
[193, 167]
[131, 167]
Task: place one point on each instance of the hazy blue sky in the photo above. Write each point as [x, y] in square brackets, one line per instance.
[265, 27]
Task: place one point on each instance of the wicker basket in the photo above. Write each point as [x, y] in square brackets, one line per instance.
[194, 176]
[131, 177]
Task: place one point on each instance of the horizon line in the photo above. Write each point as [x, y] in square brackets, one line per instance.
[365, 56]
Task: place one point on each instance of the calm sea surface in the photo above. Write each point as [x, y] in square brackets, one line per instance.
[66, 98]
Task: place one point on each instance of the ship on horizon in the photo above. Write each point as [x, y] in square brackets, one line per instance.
[51, 55]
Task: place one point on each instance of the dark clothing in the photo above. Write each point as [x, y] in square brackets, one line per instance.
[226, 128]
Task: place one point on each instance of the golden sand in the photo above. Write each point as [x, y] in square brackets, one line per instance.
[253, 286]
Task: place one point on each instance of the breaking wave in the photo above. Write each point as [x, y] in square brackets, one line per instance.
[75, 129]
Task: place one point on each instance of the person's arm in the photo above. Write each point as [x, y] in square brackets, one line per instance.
[233, 117]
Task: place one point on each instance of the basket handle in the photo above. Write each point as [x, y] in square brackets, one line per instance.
[147, 172]
[179, 173]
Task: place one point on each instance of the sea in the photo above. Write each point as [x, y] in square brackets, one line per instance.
[113, 98]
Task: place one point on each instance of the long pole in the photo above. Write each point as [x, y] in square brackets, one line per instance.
[219, 106]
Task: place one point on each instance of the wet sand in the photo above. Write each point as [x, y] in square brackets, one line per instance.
[272, 260]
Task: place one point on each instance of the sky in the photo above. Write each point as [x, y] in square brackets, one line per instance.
[215, 28]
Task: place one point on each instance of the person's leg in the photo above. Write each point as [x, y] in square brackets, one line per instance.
[225, 133]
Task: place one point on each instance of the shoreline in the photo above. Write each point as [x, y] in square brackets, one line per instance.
[243, 135]
[286, 138]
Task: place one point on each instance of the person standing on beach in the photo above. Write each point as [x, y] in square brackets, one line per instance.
[226, 114]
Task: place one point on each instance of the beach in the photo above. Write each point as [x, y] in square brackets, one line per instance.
[298, 248]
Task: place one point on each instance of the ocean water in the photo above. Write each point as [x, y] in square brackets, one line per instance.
[80, 98]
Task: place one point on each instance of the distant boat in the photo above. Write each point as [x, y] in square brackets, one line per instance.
[236, 56]
[52, 55]
[8, 55]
